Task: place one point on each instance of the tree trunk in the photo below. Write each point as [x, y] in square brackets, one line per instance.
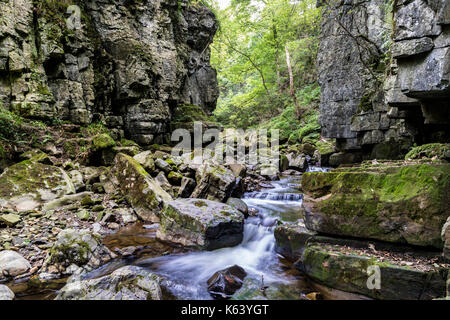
[291, 83]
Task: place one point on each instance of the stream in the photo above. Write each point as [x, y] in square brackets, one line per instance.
[185, 274]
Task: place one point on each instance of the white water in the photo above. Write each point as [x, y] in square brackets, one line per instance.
[187, 274]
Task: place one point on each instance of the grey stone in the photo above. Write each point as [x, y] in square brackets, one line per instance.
[12, 264]
[126, 283]
[407, 48]
[201, 224]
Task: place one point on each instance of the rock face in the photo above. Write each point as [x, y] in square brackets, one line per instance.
[127, 283]
[29, 184]
[126, 65]
[223, 284]
[385, 94]
[393, 202]
[141, 191]
[12, 264]
[201, 224]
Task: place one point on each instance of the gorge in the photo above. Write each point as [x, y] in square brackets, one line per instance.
[97, 203]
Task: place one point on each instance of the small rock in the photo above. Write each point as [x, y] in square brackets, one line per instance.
[12, 264]
[6, 293]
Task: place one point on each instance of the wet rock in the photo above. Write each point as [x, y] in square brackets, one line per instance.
[127, 283]
[6, 293]
[12, 264]
[79, 248]
[162, 181]
[127, 215]
[146, 160]
[349, 271]
[29, 184]
[214, 182]
[163, 165]
[395, 203]
[223, 284]
[291, 240]
[187, 187]
[142, 192]
[201, 224]
[297, 162]
[239, 205]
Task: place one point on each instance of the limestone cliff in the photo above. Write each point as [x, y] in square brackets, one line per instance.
[384, 70]
[128, 64]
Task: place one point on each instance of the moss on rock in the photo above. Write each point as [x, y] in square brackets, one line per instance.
[406, 204]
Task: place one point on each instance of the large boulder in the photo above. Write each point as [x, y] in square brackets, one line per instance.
[291, 240]
[297, 162]
[394, 202]
[12, 264]
[201, 224]
[127, 283]
[29, 184]
[140, 190]
[347, 269]
[214, 182]
[75, 251]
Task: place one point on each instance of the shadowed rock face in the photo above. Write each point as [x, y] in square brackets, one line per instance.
[391, 82]
[129, 65]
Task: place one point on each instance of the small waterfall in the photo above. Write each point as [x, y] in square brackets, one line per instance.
[274, 196]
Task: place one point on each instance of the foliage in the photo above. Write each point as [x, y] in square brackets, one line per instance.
[249, 53]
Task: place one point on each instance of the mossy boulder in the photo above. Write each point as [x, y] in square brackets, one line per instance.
[201, 224]
[146, 160]
[126, 283]
[214, 182]
[433, 150]
[103, 141]
[350, 271]
[29, 184]
[75, 248]
[139, 189]
[394, 202]
[291, 239]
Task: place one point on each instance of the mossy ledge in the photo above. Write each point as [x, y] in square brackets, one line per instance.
[403, 204]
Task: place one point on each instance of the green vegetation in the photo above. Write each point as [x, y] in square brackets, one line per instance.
[265, 54]
[432, 150]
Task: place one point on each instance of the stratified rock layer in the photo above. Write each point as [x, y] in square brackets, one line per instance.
[126, 65]
[390, 88]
